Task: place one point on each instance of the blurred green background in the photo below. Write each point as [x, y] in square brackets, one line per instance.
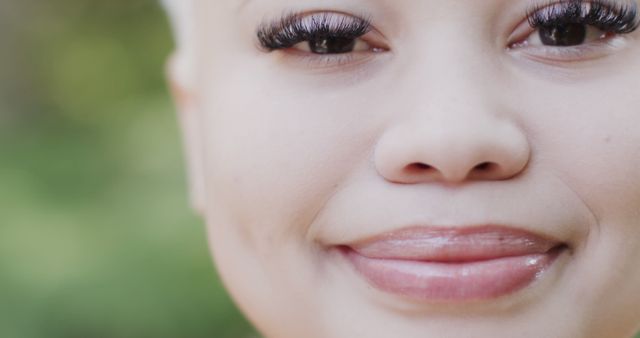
[96, 237]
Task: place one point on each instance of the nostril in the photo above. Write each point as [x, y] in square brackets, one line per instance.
[418, 167]
[484, 166]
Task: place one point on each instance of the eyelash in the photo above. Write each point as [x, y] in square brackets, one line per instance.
[607, 17]
[293, 29]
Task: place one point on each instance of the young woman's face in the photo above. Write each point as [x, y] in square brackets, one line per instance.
[379, 168]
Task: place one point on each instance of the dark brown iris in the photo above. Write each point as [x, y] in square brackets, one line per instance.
[563, 35]
[331, 45]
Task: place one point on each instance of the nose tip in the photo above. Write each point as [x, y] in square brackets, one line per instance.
[495, 151]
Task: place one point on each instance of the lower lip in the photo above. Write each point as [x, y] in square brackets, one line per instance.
[452, 282]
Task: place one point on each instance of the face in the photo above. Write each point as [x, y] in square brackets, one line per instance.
[374, 168]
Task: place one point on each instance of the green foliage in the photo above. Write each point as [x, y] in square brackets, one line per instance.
[96, 237]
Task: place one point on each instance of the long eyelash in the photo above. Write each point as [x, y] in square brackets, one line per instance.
[294, 28]
[606, 15]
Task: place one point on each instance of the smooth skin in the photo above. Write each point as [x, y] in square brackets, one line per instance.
[291, 155]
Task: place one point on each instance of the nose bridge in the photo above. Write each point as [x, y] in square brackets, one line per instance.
[453, 87]
[453, 127]
[452, 68]
[446, 71]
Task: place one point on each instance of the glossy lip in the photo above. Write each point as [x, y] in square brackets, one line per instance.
[453, 264]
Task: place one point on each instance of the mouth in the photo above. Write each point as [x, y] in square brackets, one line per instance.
[453, 264]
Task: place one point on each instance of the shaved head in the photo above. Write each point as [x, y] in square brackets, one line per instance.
[178, 11]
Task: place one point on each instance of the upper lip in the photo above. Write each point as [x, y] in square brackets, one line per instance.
[454, 244]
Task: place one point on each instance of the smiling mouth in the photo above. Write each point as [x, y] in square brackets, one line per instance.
[453, 264]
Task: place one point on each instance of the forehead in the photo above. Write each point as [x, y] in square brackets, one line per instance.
[239, 5]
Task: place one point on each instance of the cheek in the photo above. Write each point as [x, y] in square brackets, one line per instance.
[592, 144]
[276, 154]
[585, 135]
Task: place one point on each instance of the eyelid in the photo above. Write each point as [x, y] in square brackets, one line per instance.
[295, 27]
[327, 62]
[570, 56]
[343, 62]
[615, 28]
[609, 16]
[297, 59]
[563, 56]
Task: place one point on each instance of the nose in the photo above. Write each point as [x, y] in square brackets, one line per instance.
[452, 150]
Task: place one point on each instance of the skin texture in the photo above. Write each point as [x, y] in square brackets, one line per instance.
[289, 157]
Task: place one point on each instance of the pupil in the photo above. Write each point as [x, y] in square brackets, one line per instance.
[563, 35]
[330, 45]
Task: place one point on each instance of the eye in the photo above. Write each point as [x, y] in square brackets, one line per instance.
[334, 45]
[574, 30]
[565, 35]
[322, 39]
